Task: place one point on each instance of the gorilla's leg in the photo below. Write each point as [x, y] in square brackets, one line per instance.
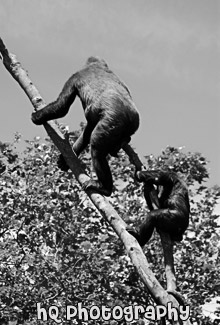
[83, 140]
[102, 170]
[104, 139]
[104, 183]
[167, 220]
[146, 230]
[79, 145]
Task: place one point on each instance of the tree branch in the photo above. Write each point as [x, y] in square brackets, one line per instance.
[101, 203]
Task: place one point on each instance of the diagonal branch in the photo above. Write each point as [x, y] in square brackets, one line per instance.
[101, 203]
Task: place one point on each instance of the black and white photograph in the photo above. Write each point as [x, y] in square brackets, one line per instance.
[109, 162]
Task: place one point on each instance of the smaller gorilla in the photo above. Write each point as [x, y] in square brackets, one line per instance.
[172, 216]
[110, 112]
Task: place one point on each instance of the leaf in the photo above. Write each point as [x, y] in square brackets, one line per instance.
[86, 244]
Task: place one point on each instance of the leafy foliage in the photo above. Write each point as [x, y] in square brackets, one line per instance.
[57, 250]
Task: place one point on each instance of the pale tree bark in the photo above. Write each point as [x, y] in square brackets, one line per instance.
[134, 251]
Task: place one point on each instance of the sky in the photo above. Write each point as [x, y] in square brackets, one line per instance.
[167, 52]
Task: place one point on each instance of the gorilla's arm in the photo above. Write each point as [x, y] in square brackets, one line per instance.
[60, 107]
[157, 177]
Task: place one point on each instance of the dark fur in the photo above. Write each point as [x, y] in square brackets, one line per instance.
[110, 113]
[173, 213]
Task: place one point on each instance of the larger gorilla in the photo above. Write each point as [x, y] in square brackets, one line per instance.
[110, 113]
